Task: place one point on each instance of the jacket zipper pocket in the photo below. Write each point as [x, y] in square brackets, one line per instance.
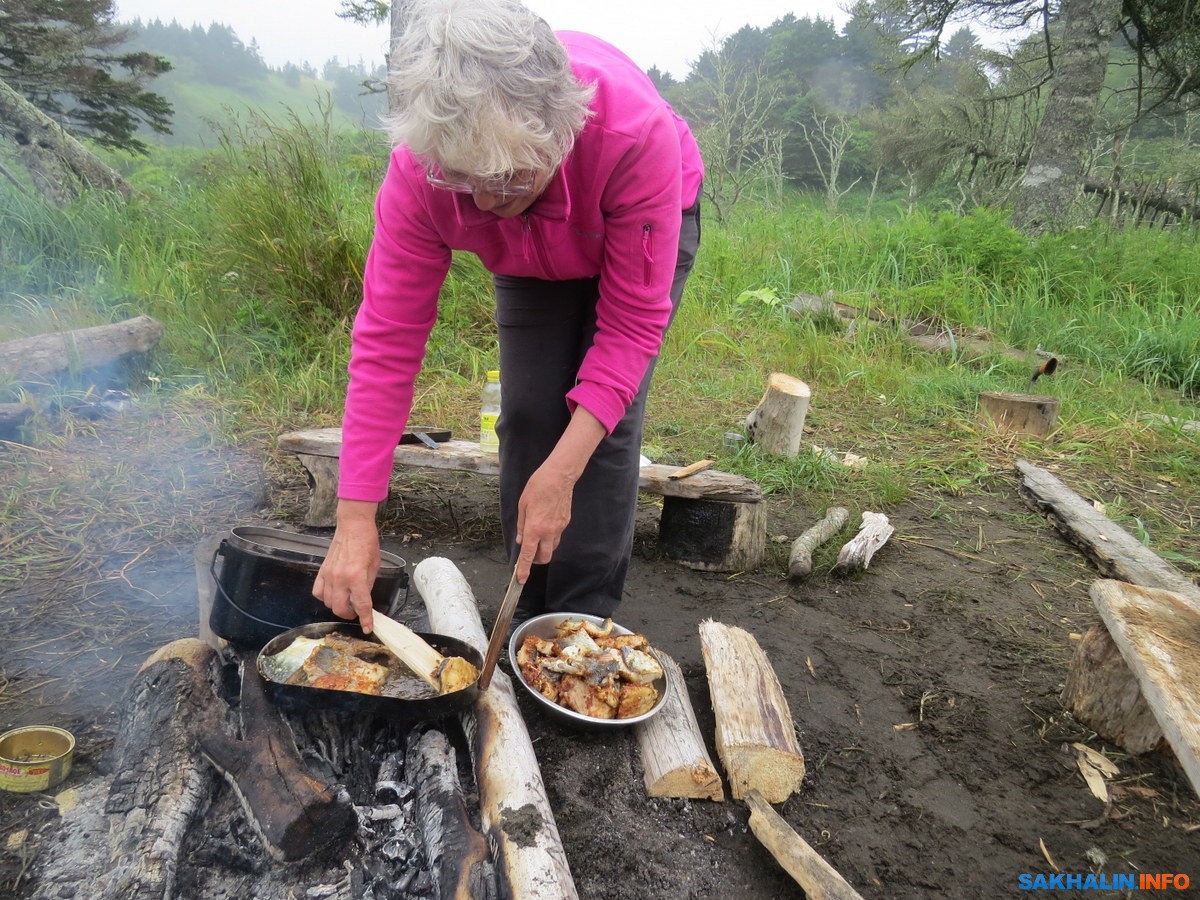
[647, 254]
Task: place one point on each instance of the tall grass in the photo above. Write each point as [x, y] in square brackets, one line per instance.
[252, 259]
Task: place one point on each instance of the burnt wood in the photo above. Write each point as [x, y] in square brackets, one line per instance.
[295, 815]
[160, 783]
[458, 853]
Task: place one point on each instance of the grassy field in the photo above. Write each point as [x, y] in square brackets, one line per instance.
[251, 254]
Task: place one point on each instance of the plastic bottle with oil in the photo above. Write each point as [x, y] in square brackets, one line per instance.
[489, 412]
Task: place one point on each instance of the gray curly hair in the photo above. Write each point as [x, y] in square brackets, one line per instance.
[483, 88]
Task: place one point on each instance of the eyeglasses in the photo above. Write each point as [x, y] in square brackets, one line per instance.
[520, 185]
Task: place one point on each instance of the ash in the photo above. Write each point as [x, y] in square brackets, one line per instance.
[222, 855]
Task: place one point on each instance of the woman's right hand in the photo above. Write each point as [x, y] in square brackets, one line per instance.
[344, 581]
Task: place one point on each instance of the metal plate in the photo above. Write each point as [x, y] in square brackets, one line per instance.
[546, 626]
[300, 697]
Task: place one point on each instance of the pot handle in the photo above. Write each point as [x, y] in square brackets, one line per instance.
[212, 568]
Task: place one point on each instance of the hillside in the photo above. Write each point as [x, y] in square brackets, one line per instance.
[216, 78]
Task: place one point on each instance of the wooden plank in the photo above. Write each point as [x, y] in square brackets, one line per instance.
[1158, 633]
[465, 456]
[675, 761]
[1115, 552]
[755, 737]
[820, 880]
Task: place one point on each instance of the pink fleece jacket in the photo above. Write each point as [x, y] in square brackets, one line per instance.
[612, 210]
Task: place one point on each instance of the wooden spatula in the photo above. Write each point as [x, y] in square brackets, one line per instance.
[442, 673]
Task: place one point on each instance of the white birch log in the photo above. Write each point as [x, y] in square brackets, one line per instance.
[777, 423]
[674, 759]
[873, 533]
[756, 739]
[530, 858]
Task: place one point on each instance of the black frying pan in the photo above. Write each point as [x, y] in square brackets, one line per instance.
[299, 697]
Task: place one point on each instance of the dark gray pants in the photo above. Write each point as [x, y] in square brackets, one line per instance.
[545, 328]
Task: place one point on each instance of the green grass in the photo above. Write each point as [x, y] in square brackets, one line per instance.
[251, 256]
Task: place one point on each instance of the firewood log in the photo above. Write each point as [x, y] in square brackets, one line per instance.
[160, 784]
[857, 553]
[458, 854]
[777, 423]
[756, 740]
[820, 880]
[295, 815]
[47, 355]
[516, 812]
[675, 761]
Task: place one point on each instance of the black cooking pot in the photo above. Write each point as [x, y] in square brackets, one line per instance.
[300, 697]
[265, 581]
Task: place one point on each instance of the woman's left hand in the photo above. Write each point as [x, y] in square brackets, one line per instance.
[542, 513]
[545, 505]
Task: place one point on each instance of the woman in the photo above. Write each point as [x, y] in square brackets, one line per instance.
[553, 159]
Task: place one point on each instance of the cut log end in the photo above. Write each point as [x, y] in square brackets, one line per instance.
[1102, 693]
[1030, 414]
[777, 423]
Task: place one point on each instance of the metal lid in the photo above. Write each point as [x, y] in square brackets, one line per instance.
[306, 548]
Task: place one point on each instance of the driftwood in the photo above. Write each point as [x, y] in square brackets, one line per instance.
[1158, 634]
[857, 553]
[777, 423]
[756, 740]
[295, 815]
[1114, 551]
[1102, 693]
[675, 761]
[1032, 414]
[459, 855]
[819, 880]
[161, 784]
[937, 339]
[800, 561]
[49, 355]
[516, 813]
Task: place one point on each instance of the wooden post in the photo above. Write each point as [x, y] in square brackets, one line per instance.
[756, 739]
[713, 535]
[674, 758]
[777, 423]
[1021, 413]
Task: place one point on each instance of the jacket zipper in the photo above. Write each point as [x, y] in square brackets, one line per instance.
[647, 254]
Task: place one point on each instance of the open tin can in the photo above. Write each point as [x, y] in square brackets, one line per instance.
[35, 758]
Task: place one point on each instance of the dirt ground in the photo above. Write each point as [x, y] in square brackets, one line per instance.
[924, 691]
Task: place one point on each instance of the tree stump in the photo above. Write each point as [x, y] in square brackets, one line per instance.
[1020, 413]
[777, 423]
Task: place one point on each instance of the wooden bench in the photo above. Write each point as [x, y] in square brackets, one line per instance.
[712, 521]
